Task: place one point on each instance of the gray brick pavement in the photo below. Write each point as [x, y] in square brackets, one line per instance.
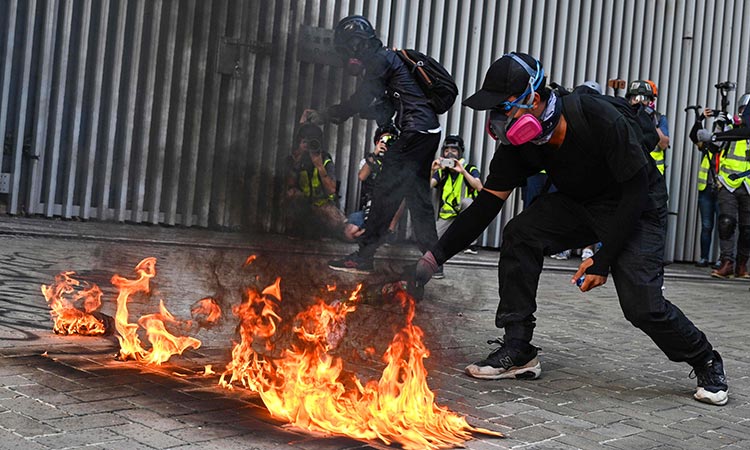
[604, 384]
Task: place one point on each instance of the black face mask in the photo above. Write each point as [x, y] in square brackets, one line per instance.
[354, 67]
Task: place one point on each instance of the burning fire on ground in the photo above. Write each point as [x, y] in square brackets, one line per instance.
[303, 384]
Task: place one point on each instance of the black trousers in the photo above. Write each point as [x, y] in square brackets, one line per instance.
[405, 174]
[555, 222]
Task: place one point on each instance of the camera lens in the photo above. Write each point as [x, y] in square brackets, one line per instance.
[313, 145]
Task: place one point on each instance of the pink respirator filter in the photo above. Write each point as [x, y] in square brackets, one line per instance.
[526, 128]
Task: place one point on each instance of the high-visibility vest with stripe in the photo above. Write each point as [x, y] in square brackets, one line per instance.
[703, 172]
[736, 160]
[311, 186]
[452, 193]
[658, 155]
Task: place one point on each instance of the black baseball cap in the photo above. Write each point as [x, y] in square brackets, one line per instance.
[504, 78]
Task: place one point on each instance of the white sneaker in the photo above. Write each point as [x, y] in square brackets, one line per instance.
[586, 254]
[565, 254]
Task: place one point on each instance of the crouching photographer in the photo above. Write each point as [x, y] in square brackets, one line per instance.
[311, 187]
[369, 169]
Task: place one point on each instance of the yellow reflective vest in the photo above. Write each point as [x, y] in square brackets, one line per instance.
[703, 171]
[735, 160]
[312, 187]
[658, 155]
[453, 192]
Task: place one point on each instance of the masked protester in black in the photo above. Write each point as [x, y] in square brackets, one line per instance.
[607, 192]
[387, 88]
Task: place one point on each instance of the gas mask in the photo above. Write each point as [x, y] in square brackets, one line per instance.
[354, 67]
[509, 130]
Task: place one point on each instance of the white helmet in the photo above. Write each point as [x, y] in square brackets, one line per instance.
[593, 85]
[744, 100]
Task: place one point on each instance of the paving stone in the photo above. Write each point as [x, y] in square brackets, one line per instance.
[86, 437]
[99, 406]
[12, 441]
[32, 408]
[146, 435]
[151, 419]
[24, 426]
[87, 421]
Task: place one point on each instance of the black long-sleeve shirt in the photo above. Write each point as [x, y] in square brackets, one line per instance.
[388, 88]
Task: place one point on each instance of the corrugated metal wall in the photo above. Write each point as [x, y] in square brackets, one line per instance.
[181, 112]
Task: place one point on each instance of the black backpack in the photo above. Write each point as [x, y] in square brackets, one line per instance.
[436, 83]
[638, 118]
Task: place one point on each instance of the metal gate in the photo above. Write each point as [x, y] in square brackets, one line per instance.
[182, 112]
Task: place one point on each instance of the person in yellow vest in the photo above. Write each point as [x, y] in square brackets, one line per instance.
[645, 93]
[708, 190]
[311, 208]
[457, 182]
[734, 198]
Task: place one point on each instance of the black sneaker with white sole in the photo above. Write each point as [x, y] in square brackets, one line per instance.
[507, 362]
[712, 382]
[352, 264]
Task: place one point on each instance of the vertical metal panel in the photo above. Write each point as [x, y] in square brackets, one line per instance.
[76, 142]
[59, 106]
[111, 117]
[39, 143]
[158, 156]
[146, 113]
[96, 108]
[12, 12]
[177, 116]
[198, 88]
[22, 113]
[127, 126]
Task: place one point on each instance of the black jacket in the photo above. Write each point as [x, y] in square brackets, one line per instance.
[387, 88]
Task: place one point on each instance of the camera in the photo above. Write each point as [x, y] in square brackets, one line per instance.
[313, 145]
[444, 162]
[726, 85]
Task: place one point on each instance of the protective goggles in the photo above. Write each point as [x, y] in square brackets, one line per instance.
[535, 80]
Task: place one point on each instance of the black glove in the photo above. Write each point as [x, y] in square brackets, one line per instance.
[426, 267]
[417, 275]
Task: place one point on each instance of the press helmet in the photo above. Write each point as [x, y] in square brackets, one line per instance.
[352, 35]
[640, 87]
[454, 140]
[591, 84]
[388, 128]
[653, 88]
[744, 100]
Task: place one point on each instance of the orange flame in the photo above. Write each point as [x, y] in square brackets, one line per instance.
[249, 260]
[307, 386]
[206, 311]
[163, 343]
[62, 297]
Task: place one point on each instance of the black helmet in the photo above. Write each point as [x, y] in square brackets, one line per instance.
[309, 132]
[454, 140]
[352, 35]
[640, 87]
[388, 128]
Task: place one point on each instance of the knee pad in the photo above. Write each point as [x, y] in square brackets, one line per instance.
[726, 226]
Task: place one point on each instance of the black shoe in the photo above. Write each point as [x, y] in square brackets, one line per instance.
[506, 362]
[352, 264]
[712, 382]
[702, 263]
